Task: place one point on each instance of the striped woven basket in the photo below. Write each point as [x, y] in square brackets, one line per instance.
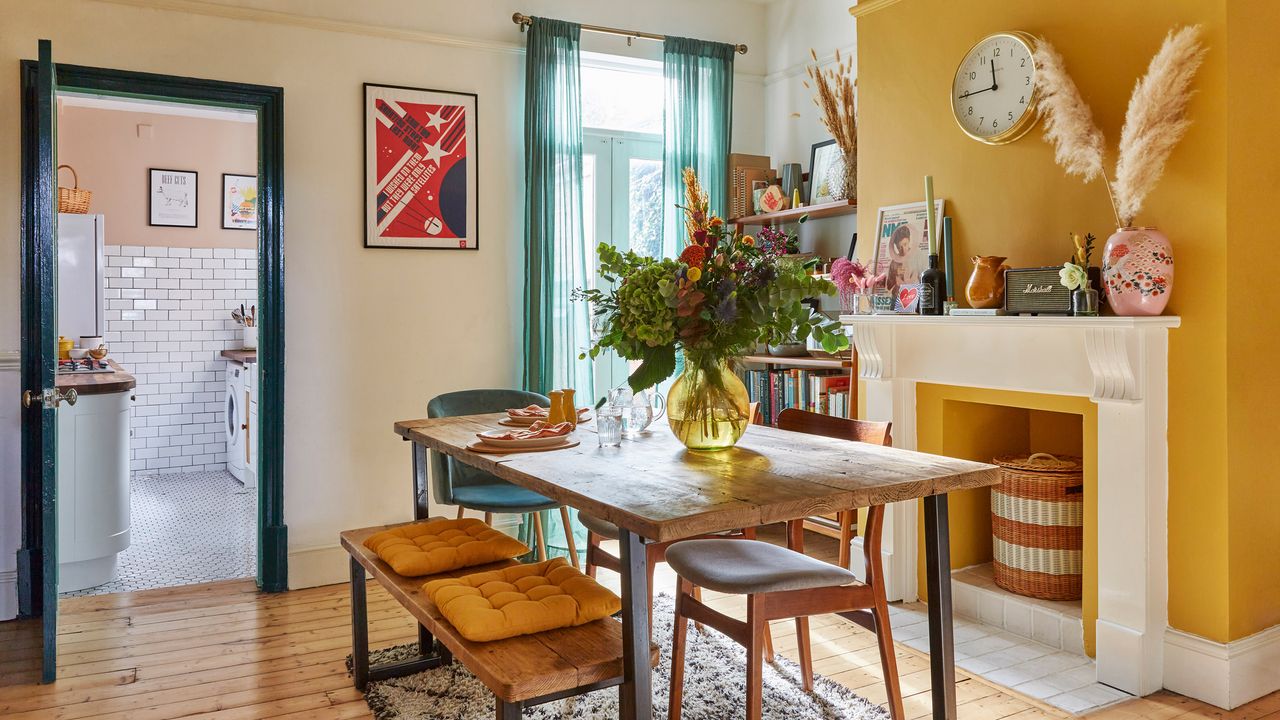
[1037, 519]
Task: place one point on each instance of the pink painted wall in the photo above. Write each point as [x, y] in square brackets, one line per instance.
[112, 158]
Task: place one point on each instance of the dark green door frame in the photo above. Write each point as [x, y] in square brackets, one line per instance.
[268, 102]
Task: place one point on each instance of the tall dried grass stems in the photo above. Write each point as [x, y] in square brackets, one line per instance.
[834, 95]
[1154, 123]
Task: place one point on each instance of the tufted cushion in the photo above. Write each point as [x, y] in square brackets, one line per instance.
[521, 600]
[436, 546]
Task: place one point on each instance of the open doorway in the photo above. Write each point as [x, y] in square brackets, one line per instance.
[42, 80]
[157, 272]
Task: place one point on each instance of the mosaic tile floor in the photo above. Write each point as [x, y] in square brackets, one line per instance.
[187, 528]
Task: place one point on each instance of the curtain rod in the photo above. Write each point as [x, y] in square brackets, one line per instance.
[524, 21]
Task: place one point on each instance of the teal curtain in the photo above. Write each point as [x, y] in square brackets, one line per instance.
[698, 120]
[556, 329]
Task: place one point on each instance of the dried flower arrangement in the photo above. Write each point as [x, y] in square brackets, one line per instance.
[1154, 122]
[834, 96]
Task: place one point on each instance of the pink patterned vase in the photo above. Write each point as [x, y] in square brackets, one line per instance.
[1137, 271]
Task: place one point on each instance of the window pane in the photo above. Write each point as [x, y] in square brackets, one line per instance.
[645, 190]
[622, 100]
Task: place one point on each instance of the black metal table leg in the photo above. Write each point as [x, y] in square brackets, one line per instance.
[636, 692]
[508, 710]
[421, 486]
[359, 628]
[937, 554]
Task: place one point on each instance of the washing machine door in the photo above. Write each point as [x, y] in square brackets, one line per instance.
[235, 418]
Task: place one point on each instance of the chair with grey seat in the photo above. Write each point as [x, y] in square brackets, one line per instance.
[779, 583]
[469, 488]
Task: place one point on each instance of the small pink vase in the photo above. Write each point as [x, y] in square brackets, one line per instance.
[1137, 271]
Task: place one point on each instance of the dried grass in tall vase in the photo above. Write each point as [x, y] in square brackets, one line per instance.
[1156, 119]
[1154, 123]
[834, 95]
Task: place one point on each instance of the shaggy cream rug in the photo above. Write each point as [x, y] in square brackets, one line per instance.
[715, 687]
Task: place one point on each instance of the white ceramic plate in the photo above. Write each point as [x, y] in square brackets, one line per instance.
[490, 437]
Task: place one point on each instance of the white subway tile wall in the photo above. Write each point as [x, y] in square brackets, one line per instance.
[168, 317]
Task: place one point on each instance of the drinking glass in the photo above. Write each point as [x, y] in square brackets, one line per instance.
[609, 426]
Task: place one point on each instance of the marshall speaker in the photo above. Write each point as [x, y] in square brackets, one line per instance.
[1039, 291]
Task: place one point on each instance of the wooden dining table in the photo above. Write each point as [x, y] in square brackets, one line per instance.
[655, 490]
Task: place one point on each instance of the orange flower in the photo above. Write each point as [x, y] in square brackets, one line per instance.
[694, 256]
[716, 221]
[748, 240]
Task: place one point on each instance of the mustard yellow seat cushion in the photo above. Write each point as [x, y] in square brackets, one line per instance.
[521, 600]
[435, 546]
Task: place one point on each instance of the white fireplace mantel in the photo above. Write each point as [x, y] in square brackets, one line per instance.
[1119, 363]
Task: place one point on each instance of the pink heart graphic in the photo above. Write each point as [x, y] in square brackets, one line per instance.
[906, 296]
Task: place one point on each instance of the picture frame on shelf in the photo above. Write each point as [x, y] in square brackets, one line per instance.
[822, 156]
[902, 248]
[853, 247]
[173, 198]
[239, 202]
[421, 185]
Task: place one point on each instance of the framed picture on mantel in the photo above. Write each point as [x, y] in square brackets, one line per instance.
[171, 198]
[420, 168]
[902, 248]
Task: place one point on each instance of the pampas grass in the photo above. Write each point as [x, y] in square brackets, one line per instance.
[1156, 119]
[1154, 123]
[834, 95]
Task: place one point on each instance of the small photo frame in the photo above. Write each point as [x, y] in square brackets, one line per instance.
[239, 202]
[822, 156]
[906, 299]
[172, 198]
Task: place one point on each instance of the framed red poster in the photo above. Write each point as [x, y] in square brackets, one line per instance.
[420, 168]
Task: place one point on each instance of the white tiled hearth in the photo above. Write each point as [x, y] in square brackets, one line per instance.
[1056, 624]
[1121, 364]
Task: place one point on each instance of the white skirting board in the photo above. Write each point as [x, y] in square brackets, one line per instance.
[1227, 675]
[329, 564]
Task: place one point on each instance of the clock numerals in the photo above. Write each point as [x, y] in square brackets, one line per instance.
[986, 86]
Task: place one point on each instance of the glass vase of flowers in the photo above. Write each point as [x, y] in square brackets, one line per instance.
[1074, 276]
[855, 283]
[722, 297]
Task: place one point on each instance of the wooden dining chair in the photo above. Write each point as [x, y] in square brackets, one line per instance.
[469, 488]
[780, 583]
[876, 433]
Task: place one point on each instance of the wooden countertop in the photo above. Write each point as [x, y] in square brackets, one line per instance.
[244, 356]
[98, 383]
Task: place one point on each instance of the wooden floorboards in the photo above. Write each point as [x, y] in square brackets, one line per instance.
[223, 650]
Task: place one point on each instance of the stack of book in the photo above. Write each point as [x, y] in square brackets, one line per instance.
[820, 391]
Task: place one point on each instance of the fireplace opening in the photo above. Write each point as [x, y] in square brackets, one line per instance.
[982, 424]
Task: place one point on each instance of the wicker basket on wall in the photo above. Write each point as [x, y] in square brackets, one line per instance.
[73, 199]
[1037, 526]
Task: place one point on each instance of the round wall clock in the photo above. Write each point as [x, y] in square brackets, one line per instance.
[994, 91]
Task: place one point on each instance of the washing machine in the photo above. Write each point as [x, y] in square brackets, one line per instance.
[236, 419]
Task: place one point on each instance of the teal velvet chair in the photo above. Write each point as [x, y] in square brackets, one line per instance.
[454, 483]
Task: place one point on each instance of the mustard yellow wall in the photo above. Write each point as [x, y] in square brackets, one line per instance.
[1253, 332]
[978, 424]
[1014, 201]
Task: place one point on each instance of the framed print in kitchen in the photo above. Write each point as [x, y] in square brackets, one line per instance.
[822, 157]
[420, 168]
[171, 200]
[902, 249]
[239, 202]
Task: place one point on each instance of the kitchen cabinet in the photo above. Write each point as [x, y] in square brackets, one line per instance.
[93, 484]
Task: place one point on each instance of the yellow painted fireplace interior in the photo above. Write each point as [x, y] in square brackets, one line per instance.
[979, 424]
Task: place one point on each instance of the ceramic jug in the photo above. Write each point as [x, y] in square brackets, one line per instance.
[986, 285]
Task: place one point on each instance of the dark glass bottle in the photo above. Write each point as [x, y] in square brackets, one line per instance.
[933, 291]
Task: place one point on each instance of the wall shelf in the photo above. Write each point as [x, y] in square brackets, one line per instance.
[823, 363]
[823, 210]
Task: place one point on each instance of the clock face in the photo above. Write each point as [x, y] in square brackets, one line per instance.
[993, 93]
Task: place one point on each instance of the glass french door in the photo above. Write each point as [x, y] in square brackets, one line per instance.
[622, 206]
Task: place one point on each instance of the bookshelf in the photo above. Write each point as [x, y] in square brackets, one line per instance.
[821, 210]
[822, 524]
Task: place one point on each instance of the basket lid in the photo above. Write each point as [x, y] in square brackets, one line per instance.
[1042, 462]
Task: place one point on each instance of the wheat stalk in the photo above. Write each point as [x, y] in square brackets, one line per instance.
[834, 95]
[1156, 119]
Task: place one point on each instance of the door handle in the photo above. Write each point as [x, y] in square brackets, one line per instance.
[49, 398]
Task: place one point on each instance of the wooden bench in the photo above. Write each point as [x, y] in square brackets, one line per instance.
[520, 671]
